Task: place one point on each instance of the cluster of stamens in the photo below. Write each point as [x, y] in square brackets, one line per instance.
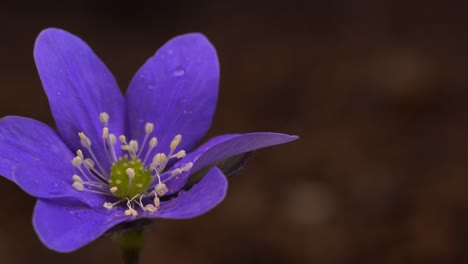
[129, 179]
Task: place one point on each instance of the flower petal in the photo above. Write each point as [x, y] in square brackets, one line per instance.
[53, 181]
[24, 141]
[201, 198]
[176, 90]
[79, 87]
[220, 148]
[65, 228]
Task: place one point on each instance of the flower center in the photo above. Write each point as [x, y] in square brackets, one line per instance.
[131, 177]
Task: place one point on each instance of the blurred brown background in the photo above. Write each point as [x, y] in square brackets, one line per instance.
[377, 90]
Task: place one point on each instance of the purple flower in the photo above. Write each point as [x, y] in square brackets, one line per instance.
[118, 159]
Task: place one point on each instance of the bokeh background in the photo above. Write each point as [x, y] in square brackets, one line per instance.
[377, 91]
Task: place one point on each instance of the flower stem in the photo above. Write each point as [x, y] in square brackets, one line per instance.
[130, 243]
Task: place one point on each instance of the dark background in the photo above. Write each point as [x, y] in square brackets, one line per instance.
[377, 91]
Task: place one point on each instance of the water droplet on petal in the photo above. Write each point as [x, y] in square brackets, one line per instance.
[178, 71]
[150, 87]
[59, 93]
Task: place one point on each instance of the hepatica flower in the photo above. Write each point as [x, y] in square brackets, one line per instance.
[116, 159]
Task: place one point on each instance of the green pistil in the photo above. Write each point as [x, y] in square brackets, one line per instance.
[126, 187]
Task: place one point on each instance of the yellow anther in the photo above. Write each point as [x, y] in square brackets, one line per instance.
[125, 147]
[187, 166]
[77, 161]
[79, 153]
[156, 201]
[104, 118]
[133, 146]
[112, 139]
[175, 142]
[159, 159]
[89, 163]
[153, 142]
[176, 172]
[161, 189]
[105, 132]
[78, 186]
[149, 127]
[84, 140]
[150, 208]
[131, 211]
[180, 154]
[77, 178]
[113, 189]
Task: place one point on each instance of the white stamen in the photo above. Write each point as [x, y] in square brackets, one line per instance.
[99, 192]
[156, 201]
[112, 139]
[176, 172]
[95, 179]
[104, 118]
[97, 185]
[151, 145]
[131, 211]
[107, 146]
[78, 186]
[153, 142]
[150, 208]
[77, 161]
[158, 161]
[105, 133]
[175, 142]
[140, 203]
[111, 142]
[77, 178]
[109, 205]
[187, 166]
[149, 127]
[133, 148]
[85, 141]
[125, 147]
[180, 154]
[161, 189]
[88, 163]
